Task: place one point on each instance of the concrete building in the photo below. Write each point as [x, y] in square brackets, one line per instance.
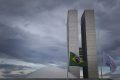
[89, 44]
[72, 39]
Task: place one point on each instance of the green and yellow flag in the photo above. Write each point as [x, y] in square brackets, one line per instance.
[76, 60]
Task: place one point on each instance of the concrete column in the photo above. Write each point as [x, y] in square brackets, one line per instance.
[89, 44]
[72, 39]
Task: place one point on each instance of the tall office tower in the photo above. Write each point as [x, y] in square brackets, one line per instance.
[72, 38]
[89, 44]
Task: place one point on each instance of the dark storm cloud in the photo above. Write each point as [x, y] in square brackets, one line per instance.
[107, 21]
[24, 7]
[20, 46]
[14, 15]
[18, 7]
[35, 30]
[14, 44]
[107, 13]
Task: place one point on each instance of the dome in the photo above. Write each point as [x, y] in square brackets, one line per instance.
[50, 72]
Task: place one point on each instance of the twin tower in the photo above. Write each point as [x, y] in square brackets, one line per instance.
[88, 36]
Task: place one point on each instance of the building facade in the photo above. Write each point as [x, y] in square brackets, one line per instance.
[89, 44]
[72, 39]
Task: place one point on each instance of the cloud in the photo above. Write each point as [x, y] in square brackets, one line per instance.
[32, 36]
[107, 23]
[35, 31]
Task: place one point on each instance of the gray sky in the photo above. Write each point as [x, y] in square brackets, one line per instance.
[35, 30]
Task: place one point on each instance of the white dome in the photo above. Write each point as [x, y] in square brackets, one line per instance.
[50, 72]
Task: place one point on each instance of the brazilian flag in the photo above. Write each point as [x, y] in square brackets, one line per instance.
[76, 60]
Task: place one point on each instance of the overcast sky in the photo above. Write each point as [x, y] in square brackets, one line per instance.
[35, 30]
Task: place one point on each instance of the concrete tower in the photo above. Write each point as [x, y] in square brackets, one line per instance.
[72, 38]
[89, 44]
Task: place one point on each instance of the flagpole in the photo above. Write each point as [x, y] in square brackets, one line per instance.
[101, 52]
[101, 64]
[68, 64]
[67, 69]
[67, 74]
